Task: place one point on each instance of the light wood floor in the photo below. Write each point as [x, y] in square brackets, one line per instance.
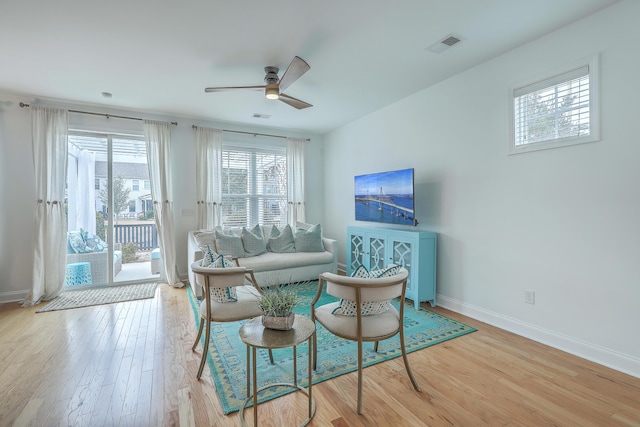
[130, 364]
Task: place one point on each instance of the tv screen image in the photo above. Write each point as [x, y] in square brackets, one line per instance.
[385, 197]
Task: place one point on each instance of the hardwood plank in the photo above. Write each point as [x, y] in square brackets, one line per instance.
[131, 364]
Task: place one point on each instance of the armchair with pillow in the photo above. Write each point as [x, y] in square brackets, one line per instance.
[83, 246]
[364, 312]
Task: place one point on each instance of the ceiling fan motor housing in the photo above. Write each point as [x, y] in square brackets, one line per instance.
[271, 76]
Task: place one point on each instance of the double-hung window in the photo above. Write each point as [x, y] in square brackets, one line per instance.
[556, 111]
[254, 185]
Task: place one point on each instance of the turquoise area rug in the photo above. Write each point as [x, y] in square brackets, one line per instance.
[336, 356]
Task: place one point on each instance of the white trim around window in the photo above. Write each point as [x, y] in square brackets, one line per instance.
[556, 110]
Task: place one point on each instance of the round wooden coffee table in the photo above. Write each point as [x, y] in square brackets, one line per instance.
[255, 336]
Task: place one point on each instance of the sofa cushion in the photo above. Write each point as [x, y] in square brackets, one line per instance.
[281, 241]
[204, 238]
[270, 261]
[93, 242]
[82, 242]
[253, 241]
[309, 240]
[76, 243]
[229, 244]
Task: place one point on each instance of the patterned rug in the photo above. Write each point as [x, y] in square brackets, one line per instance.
[336, 356]
[97, 296]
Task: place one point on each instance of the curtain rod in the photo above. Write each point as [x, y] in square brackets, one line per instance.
[108, 116]
[252, 133]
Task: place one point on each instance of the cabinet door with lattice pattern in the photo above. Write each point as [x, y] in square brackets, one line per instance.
[377, 250]
[402, 254]
[355, 252]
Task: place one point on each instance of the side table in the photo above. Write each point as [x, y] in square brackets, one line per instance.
[77, 273]
[255, 336]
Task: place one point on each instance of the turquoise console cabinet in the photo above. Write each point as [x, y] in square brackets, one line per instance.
[375, 248]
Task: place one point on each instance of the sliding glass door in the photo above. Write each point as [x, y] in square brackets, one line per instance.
[112, 237]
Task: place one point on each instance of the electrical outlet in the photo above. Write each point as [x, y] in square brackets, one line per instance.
[530, 297]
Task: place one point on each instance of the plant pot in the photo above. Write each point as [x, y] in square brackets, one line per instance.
[279, 323]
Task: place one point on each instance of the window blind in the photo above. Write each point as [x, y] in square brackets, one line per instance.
[552, 109]
[254, 186]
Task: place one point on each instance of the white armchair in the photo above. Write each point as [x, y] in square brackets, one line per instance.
[360, 294]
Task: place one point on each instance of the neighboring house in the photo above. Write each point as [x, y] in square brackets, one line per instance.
[136, 180]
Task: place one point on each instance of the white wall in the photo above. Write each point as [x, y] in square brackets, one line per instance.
[17, 183]
[563, 222]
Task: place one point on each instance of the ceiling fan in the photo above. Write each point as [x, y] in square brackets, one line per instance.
[275, 86]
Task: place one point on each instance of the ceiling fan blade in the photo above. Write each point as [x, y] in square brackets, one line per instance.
[294, 102]
[228, 88]
[296, 69]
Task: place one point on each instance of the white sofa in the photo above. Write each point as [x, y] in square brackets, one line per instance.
[270, 268]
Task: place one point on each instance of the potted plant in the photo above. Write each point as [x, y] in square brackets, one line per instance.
[277, 308]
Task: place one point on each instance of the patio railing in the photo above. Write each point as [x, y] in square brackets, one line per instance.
[145, 235]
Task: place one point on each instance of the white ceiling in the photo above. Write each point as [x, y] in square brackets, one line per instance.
[159, 55]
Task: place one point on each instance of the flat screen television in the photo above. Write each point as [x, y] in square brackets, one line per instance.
[386, 197]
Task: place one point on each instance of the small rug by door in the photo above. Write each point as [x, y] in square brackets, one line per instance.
[98, 296]
[336, 356]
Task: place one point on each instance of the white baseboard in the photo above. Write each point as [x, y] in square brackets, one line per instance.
[13, 296]
[603, 356]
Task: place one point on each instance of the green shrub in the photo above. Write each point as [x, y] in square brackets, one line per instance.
[145, 216]
[129, 252]
[101, 228]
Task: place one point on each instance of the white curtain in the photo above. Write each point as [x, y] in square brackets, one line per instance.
[296, 161]
[208, 177]
[49, 128]
[158, 141]
[72, 184]
[81, 193]
[86, 192]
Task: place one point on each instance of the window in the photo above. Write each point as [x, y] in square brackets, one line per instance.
[556, 111]
[135, 185]
[147, 184]
[97, 184]
[254, 185]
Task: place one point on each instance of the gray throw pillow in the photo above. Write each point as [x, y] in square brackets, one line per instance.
[309, 240]
[281, 241]
[229, 245]
[253, 241]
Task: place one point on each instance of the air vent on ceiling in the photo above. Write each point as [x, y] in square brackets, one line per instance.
[261, 116]
[444, 43]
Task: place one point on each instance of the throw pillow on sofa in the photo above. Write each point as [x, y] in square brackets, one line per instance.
[229, 244]
[309, 240]
[281, 241]
[82, 242]
[93, 242]
[253, 241]
[76, 243]
[204, 238]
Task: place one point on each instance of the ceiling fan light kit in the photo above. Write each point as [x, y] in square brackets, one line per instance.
[272, 92]
[275, 87]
